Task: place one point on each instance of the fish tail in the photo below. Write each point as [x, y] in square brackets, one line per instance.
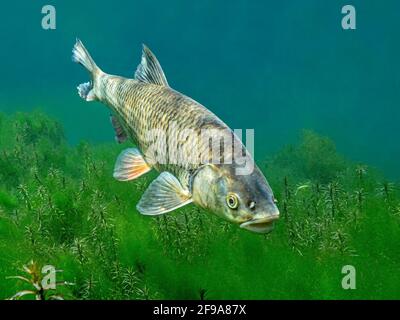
[81, 55]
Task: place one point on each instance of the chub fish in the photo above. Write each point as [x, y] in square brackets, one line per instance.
[177, 136]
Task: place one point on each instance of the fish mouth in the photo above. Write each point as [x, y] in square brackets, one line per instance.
[260, 225]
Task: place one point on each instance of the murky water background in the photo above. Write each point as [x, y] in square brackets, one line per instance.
[274, 66]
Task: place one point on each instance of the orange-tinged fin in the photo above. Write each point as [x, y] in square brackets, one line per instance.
[130, 165]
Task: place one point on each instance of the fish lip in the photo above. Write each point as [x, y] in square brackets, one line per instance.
[260, 225]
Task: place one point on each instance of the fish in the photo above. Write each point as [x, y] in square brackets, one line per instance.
[199, 158]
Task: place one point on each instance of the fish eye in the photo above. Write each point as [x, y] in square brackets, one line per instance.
[232, 201]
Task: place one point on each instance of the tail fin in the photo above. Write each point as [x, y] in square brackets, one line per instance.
[81, 55]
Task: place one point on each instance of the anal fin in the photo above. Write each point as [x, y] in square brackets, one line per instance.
[130, 165]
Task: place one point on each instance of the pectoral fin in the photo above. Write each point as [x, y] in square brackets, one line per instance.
[164, 194]
[130, 165]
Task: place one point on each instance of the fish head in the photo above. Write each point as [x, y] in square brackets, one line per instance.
[246, 200]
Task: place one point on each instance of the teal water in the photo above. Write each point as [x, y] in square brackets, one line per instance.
[276, 66]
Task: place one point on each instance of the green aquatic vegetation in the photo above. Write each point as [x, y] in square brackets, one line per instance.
[314, 158]
[385, 190]
[66, 210]
[361, 171]
[39, 288]
[7, 201]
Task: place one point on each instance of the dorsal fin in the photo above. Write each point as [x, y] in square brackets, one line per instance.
[149, 69]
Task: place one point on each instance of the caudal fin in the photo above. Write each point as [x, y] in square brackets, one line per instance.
[81, 55]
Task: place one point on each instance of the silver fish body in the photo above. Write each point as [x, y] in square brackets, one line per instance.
[177, 136]
[142, 108]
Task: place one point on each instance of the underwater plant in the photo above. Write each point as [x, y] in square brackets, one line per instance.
[40, 289]
[67, 210]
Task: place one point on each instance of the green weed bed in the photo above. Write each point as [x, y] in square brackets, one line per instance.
[59, 205]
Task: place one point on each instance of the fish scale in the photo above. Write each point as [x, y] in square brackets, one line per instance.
[143, 107]
[197, 155]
